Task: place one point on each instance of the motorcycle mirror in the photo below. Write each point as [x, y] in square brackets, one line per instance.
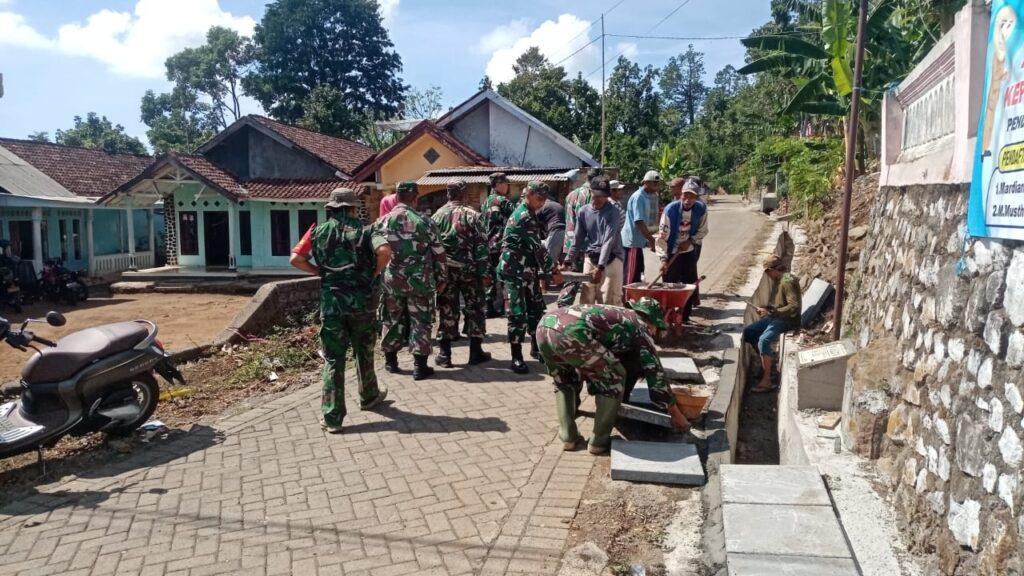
[55, 318]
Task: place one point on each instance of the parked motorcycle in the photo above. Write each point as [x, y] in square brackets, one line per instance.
[61, 284]
[10, 293]
[96, 380]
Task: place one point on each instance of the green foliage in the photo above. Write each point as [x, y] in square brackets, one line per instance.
[177, 120]
[39, 136]
[682, 86]
[809, 167]
[99, 133]
[423, 104]
[340, 45]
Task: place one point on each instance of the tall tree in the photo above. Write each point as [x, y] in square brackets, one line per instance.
[423, 104]
[99, 133]
[633, 118]
[682, 84]
[215, 70]
[39, 136]
[177, 120]
[338, 44]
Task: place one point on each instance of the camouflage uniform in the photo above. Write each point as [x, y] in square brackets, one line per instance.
[349, 292]
[576, 199]
[410, 280]
[465, 243]
[495, 210]
[523, 259]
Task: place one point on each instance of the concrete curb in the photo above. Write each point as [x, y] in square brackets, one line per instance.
[266, 307]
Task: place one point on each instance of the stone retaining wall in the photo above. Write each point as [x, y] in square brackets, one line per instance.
[940, 328]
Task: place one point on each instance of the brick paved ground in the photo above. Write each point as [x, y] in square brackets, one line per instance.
[460, 475]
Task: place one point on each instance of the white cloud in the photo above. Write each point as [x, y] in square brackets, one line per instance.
[628, 49]
[504, 36]
[388, 11]
[131, 44]
[555, 39]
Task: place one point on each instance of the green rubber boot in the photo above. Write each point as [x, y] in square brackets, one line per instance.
[604, 422]
[565, 405]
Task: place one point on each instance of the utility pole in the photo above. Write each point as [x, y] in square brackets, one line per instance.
[602, 91]
[852, 126]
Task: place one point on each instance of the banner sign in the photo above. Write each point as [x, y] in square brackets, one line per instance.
[996, 208]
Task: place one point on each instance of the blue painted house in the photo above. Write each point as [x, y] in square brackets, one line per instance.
[48, 208]
[239, 204]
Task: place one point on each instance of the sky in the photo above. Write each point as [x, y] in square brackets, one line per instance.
[62, 58]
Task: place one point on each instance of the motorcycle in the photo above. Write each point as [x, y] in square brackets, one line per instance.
[59, 283]
[99, 379]
[10, 293]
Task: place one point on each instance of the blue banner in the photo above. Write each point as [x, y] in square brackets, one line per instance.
[996, 208]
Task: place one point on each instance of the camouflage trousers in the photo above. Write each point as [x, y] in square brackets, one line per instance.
[568, 294]
[338, 335]
[571, 360]
[525, 309]
[466, 283]
[407, 319]
[494, 290]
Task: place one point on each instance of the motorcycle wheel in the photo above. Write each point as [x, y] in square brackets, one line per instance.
[146, 395]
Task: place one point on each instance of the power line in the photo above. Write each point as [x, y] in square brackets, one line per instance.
[651, 29]
[675, 37]
[584, 31]
[582, 48]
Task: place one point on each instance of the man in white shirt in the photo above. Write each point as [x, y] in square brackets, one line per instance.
[683, 226]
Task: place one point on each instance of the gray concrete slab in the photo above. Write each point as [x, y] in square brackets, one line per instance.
[661, 462]
[765, 565]
[813, 300]
[789, 530]
[681, 368]
[641, 395]
[644, 415]
[786, 485]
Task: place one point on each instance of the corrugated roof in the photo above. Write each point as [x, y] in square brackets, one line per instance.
[82, 171]
[474, 175]
[19, 178]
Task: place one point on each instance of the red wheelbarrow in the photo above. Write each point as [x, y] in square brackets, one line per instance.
[671, 297]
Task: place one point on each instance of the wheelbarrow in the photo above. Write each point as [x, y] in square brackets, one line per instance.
[671, 297]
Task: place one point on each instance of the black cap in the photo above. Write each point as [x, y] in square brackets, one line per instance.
[600, 186]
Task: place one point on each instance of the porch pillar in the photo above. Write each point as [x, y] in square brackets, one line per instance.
[90, 243]
[37, 238]
[132, 264]
[152, 235]
[233, 237]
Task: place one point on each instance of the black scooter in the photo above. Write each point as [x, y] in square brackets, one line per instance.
[96, 380]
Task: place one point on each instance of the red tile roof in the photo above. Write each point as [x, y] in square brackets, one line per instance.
[213, 175]
[82, 171]
[345, 155]
[369, 168]
[273, 189]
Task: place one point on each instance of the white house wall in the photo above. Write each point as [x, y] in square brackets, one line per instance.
[510, 147]
[474, 130]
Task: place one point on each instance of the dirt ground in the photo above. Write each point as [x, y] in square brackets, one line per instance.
[185, 320]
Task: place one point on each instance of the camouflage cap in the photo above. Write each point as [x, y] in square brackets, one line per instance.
[407, 186]
[651, 312]
[498, 178]
[343, 198]
[539, 188]
[456, 186]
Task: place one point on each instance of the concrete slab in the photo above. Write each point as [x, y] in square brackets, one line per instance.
[681, 368]
[784, 485]
[813, 300]
[644, 415]
[789, 530]
[641, 395]
[765, 565]
[664, 463]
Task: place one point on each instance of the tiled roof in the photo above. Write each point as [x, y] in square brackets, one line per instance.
[369, 168]
[481, 175]
[82, 171]
[213, 174]
[345, 155]
[273, 189]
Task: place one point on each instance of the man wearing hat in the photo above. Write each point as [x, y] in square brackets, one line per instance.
[598, 245]
[682, 229]
[782, 314]
[462, 234]
[616, 200]
[339, 251]
[496, 209]
[635, 234]
[415, 273]
[609, 348]
[523, 261]
[578, 198]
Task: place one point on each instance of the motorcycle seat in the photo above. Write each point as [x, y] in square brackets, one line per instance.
[80, 349]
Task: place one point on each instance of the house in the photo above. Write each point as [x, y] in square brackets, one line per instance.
[484, 134]
[243, 199]
[48, 210]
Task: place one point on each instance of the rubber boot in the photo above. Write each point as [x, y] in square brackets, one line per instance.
[534, 350]
[565, 404]
[420, 369]
[444, 357]
[518, 365]
[391, 362]
[476, 352]
[604, 422]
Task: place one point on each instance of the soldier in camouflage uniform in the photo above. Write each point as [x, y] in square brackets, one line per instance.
[339, 251]
[416, 272]
[496, 209]
[576, 199]
[462, 234]
[523, 260]
[609, 347]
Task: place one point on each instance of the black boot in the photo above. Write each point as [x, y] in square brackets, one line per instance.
[518, 365]
[534, 350]
[420, 369]
[444, 357]
[476, 352]
[491, 311]
[391, 362]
